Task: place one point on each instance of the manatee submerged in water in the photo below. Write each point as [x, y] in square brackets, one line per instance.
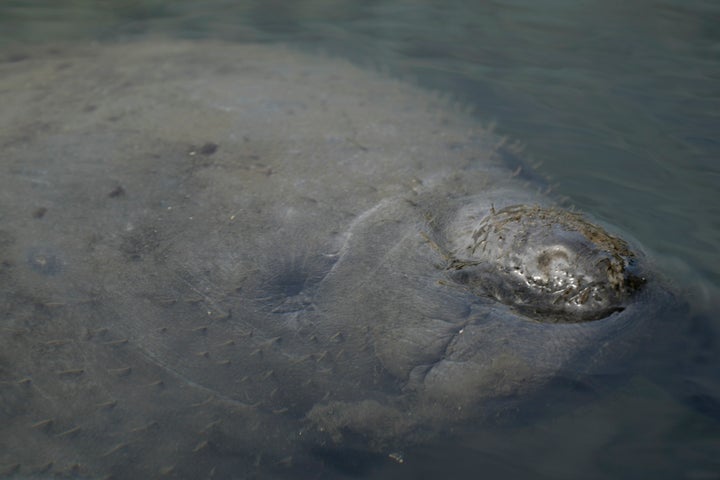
[218, 258]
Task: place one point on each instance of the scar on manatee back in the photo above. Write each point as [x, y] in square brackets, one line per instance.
[44, 260]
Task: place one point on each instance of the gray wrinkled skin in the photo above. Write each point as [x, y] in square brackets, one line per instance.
[220, 260]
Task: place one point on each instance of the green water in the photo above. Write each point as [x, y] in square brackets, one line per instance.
[617, 104]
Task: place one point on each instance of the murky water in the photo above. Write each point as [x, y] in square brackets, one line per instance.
[617, 105]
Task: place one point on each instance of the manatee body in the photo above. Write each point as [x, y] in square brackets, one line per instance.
[222, 259]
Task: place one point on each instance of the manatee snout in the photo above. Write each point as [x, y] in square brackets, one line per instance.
[550, 264]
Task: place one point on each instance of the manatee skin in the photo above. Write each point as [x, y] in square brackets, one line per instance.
[218, 259]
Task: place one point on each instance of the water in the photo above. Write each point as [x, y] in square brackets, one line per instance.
[617, 104]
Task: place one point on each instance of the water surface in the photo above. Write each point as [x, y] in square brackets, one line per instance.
[617, 105]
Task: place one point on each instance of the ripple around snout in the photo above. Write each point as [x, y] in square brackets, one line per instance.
[550, 264]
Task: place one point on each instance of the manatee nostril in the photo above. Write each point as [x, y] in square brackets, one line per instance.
[553, 268]
[553, 259]
[550, 264]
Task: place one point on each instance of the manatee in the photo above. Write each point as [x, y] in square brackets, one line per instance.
[231, 261]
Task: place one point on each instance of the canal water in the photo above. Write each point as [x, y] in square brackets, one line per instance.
[616, 105]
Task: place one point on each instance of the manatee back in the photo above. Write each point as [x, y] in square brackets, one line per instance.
[171, 216]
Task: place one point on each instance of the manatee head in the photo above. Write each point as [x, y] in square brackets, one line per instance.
[472, 307]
